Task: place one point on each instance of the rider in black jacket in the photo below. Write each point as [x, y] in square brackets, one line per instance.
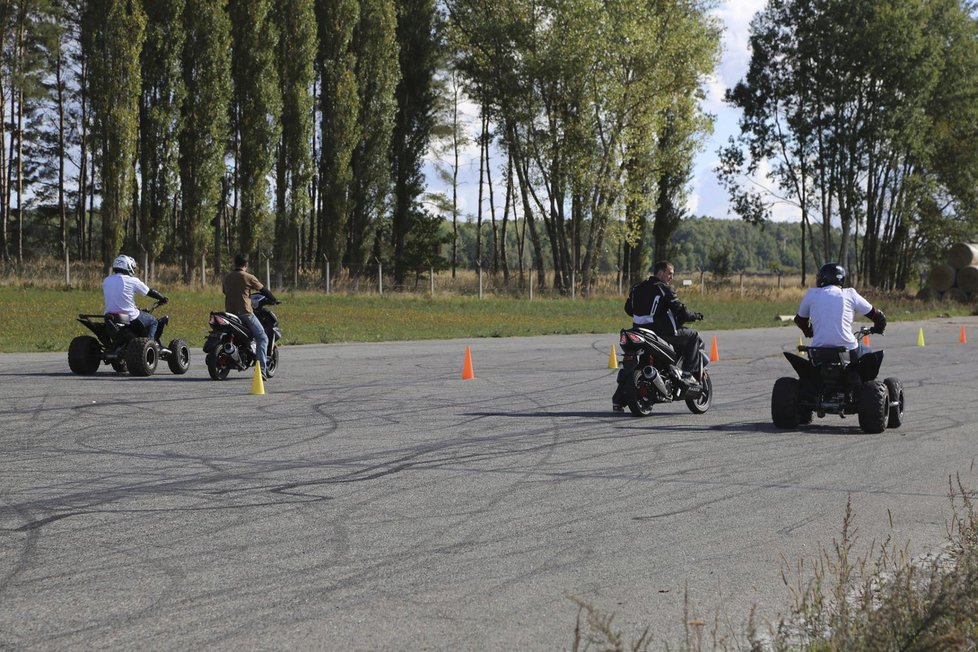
[652, 304]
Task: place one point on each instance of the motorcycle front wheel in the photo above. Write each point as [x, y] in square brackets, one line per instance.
[272, 360]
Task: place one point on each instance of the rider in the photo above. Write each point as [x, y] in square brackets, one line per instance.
[119, 289]
[238, 287]
[826, 311]
[653, 305]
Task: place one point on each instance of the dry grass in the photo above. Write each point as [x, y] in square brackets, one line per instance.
[844, 602]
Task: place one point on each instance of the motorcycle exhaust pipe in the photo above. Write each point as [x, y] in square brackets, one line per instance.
[650, 374]
[232, 352]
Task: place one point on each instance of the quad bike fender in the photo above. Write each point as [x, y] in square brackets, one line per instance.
[802, 366]
[868, 365]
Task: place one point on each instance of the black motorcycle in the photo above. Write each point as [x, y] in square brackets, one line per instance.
[122, 343]
[830, 382]
[650, 373]
[230, 344]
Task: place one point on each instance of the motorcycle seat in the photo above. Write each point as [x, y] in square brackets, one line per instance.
[120, 318]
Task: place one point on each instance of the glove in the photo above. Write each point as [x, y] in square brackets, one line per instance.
[879, 321]
[163, 299]
[697, 316]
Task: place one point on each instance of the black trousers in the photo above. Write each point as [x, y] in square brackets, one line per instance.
[688, 344]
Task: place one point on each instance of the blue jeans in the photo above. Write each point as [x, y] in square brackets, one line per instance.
[261, 339]
[149, 322]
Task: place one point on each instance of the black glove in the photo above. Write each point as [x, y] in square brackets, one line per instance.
[879, 321]
[156, 295]
[163, 299]
[697, 316]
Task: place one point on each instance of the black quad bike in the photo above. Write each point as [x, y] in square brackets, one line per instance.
[651, 373]
[230, 344]
[122, 343]
[829, 382]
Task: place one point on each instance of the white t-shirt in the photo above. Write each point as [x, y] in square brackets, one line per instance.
[831, 310]
[119, 291]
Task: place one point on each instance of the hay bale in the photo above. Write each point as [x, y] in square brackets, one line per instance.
[957, 294]
[968, 278]
[962, 254]
[941, 278]
[926, 294]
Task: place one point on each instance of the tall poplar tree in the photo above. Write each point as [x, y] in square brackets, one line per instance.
[159, 122]
[296, 21]
[418, 39]
[338, 108]
[204, 121]
[256, 95]
[377, 75]
[116, 29]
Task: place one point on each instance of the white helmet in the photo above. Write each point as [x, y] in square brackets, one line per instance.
[124, 264]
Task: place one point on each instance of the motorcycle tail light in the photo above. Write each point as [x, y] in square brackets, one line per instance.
[217, 320]
[636, 339]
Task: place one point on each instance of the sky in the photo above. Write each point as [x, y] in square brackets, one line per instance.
[706, 197]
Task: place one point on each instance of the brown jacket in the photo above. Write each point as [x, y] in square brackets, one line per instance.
[238, 287]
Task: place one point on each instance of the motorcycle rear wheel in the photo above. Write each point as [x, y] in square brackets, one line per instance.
[216, 372]
[705, 400]
[272, 360]
[640, 406]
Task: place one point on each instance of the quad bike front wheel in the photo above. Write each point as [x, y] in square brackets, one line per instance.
[704, 400]
[179, 359]
[84, 355]
[894, 389]
[215, 369]
[142, 356]
[874, 407]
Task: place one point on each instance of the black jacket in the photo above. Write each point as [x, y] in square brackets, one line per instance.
[653, 304]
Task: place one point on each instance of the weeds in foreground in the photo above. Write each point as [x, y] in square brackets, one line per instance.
[883, 600]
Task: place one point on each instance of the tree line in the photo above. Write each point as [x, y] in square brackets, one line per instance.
[865, 117]
[183, 131]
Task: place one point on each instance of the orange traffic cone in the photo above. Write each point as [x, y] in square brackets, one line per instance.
[714, 353]
[467, 372]
[964, 336]
[865, 340]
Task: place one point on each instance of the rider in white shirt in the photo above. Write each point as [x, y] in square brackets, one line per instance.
[826, 311]
[119, 290]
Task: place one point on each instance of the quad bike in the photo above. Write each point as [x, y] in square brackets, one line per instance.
[830, 382]
[122, 343]
[230, 344]
[650, 374]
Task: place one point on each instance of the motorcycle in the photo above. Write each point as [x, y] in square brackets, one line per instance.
[650, 373]
[829, 382]
[122, 343]
[230, 344]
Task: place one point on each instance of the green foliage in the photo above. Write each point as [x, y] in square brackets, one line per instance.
[204, 118]
[254, 37]
[115, 32]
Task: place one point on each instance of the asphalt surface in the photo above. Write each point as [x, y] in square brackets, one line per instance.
[374, 500]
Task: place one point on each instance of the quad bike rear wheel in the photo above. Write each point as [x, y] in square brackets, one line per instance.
[894, 389]
[784, 403]
[142, 356]
[179, 359]
[84, 355]
[702, 403]
[119, 366]
[874, 406]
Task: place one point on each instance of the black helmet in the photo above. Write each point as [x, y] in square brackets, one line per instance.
[830, 274]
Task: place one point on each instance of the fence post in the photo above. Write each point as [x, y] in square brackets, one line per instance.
[480, 279]
[67, 269]
[431, 279]
[380, 277]
[573, 283]
[327, 272]
[530, 284]
[203, 270]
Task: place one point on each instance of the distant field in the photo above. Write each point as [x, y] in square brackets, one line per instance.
[43, 319]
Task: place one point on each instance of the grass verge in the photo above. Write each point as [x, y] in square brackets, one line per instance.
[43, 319]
